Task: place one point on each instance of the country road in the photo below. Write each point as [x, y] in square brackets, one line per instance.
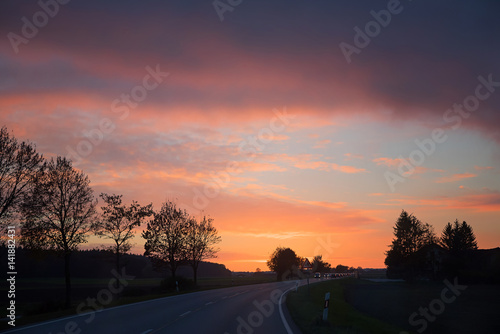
[236, 310]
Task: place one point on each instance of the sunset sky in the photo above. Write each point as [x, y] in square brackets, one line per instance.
[304, 124]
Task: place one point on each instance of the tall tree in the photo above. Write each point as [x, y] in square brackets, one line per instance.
[410, 235]
[458, 237]
[341, 268]
[318, 265]
[118, 223]
[283, 261]
[200, 242]
[59, 213]
[19, 164]
[166, 236]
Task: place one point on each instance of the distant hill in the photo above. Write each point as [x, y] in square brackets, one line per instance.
[97, 264]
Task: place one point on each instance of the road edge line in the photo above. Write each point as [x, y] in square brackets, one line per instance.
[283, 319]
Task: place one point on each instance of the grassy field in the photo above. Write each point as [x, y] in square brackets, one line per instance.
[43, 299]
[361, 306]
[474, 310]
[306, 308]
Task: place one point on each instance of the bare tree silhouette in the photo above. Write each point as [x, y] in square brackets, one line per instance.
[19, 164]
[166, 236]
[200, 242]
[58, 213]
[118, 222]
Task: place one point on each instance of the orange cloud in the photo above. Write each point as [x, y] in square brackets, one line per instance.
[455, 177]
[483, 167]
[389, 162]
[322, 143]
[486, 201]
[328, 166]
[281, 236]
[397, 162]
[350, 156]
[310, 161]
[252, 166]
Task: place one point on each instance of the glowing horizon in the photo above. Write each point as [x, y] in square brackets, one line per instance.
[260, 122]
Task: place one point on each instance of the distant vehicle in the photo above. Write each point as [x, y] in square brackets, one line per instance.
[317, 275]
[326, 275]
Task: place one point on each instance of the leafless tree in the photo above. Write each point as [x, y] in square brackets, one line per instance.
[19, 164]
[118, 223]
[200, 242]
[166, 236]
[59, 212]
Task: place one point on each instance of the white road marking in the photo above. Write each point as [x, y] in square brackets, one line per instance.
[285, 323]
[86, 313]
[209, 303]
[148, 331]
[185, 313]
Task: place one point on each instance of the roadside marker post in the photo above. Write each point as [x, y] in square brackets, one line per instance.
[327, 303]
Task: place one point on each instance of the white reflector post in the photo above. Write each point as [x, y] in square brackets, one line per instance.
[327, 303]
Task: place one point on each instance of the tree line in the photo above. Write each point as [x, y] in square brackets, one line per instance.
[286, 263]
[56, 208]
[416, 248]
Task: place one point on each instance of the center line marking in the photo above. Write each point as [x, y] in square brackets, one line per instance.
[209, 303]
[185, 313]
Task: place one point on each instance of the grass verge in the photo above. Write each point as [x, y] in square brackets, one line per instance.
[306, 308]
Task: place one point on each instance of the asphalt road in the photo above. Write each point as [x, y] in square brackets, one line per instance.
[236, 310]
